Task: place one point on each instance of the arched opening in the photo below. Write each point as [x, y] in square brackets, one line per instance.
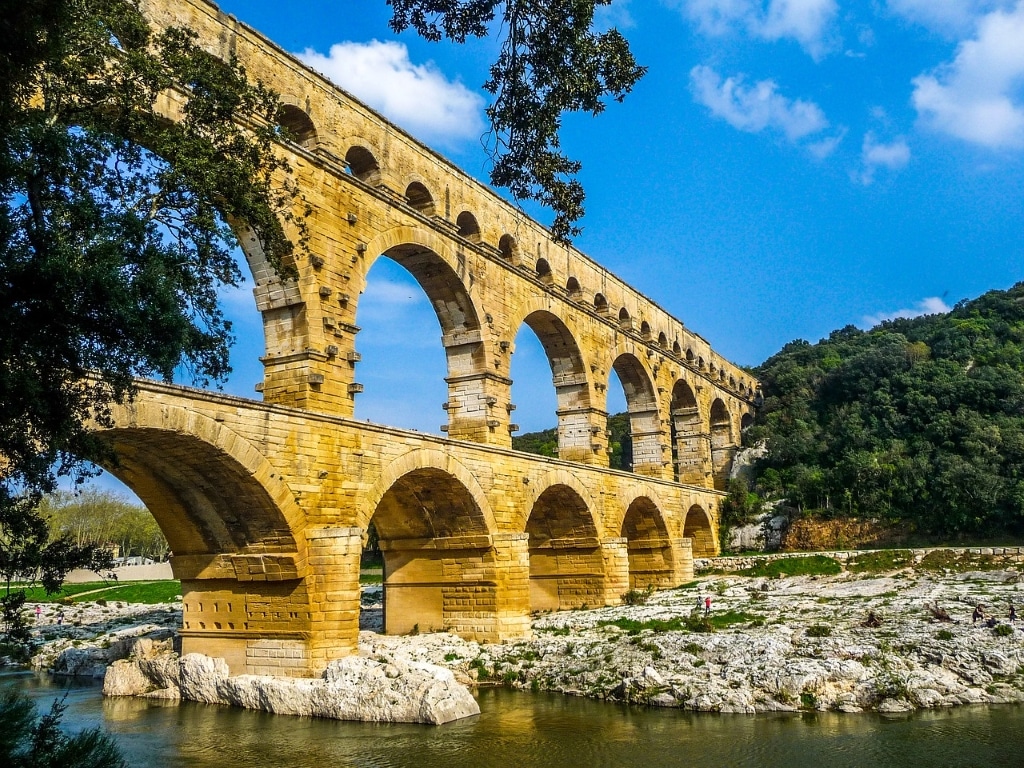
[691, 447]
[700, 363]
[566, 567]
[557, 347]
[698, 529]
[438, 564]
[363, 165]
[544, 272]
[645, 330]
[419, 197]
[297, 126]
[651, 561]
[600, 303]
[572, 287]
[722, 446]
[508, 248]
[237, 541]
[745, 421]
[644, 422]
[689, 356]
[625, 321]
[468, 227]
[663, 341]
[407, 295]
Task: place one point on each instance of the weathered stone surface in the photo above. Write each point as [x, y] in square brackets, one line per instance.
[353, 688]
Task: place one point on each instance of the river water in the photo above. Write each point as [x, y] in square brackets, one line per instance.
[522, 730]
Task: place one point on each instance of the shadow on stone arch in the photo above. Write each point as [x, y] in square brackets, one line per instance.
[698, 529]
[439, 570]
[651, 561]
[566, 567]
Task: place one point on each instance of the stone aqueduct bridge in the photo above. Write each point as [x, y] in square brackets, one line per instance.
[266, 504]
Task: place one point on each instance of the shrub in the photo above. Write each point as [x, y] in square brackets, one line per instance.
[819, 630]
[944, 634]
[1003, 630]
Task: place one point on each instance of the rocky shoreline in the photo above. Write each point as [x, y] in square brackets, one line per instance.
[849, 642]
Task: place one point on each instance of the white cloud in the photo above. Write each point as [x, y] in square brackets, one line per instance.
[978, 96]
[948, 17]
[416, 96]
[756, 107]
[806, 21]
[933, 305]
[875, 154]
[615, 15]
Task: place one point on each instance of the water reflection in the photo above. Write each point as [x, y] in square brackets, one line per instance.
[526, 730]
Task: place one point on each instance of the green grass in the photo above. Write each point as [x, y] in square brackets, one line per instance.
[812, 565]
[679, 623]
[881, 562]
[371, 578]
[944, 559]
[129, 592]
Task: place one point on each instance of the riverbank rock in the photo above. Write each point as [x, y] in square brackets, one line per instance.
[354, 688]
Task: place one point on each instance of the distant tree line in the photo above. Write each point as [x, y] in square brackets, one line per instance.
[620, 445]
[103, 519]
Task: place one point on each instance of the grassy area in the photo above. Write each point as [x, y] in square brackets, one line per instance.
[130, 592]
[941, 560]
[681, 623]
[881, 561]
[813, 565]
[371, 577]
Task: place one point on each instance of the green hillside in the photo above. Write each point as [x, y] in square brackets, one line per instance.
[917, 422]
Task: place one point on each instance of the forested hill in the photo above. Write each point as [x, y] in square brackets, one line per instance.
[916, 421]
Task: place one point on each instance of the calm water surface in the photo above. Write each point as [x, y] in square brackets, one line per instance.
[520, 730]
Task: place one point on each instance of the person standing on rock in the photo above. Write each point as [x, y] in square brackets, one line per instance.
[1013, 613]
[978, 614]
[707, 605]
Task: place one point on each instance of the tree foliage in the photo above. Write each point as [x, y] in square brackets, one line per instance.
[102, 519]
[552, 59]
[113, 241]
[28, 740]
[917, 422]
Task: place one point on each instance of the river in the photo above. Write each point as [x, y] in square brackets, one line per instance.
[522, 730]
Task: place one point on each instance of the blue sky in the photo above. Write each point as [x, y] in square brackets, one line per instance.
[785, 168]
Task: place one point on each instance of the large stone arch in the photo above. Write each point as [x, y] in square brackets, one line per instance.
[578, 427]
[566, 562]
[723, 442]
[444, 278]
[691, 440]
[237, 535]
[642, 404]
[700, 529]
[652, 560]
[210, 490]
[426, 458]
[441, 571]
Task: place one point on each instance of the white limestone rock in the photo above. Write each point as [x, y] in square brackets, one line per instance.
[353, 688]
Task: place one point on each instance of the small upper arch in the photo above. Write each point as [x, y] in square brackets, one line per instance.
[508, 248]
[468, 226]
[297, 125]
[419, 197]
[625, 321]
[663, 340]
[362, 164]
[544, 273]
[645, 330]
[600, 303]
[572, 287]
